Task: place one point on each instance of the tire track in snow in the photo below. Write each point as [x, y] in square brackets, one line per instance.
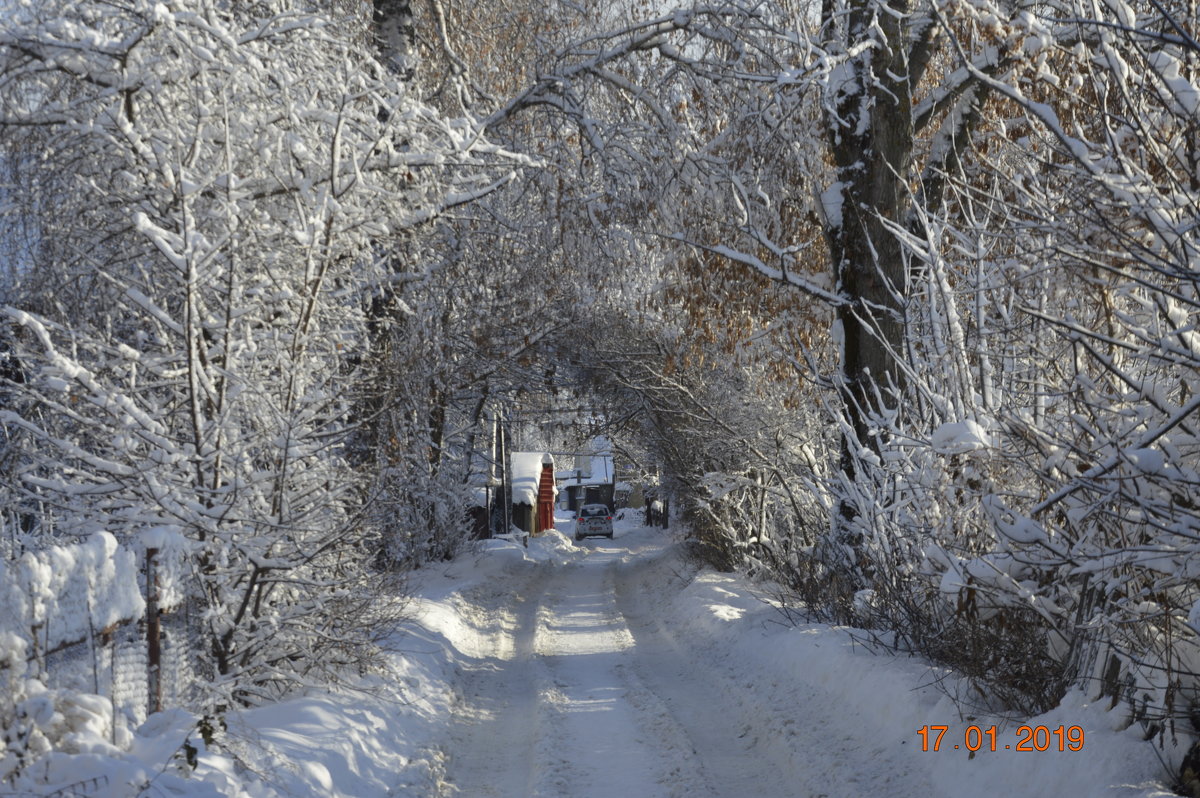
[497, 720]
[614, 737]
[558, 710]
[744, 746]
[746, 742]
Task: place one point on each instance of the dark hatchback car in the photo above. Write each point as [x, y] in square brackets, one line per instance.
[594, 520]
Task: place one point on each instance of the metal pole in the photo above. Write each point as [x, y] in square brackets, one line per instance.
[506, 484]
[153, 637]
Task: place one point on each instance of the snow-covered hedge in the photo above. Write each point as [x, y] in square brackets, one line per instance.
[64, 593]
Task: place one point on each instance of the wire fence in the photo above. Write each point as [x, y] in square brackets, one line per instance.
[59, 607]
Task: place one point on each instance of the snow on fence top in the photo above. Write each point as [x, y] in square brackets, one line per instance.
[170, 549]
[63, 593]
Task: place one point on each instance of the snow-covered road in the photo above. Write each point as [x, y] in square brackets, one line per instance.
[560, 707]
[621, 671]
[585, 691]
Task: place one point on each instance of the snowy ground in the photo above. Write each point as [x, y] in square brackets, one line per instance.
[625, 673]
[615, 669]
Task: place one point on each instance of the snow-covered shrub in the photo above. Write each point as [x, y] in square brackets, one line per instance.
[1091, 357]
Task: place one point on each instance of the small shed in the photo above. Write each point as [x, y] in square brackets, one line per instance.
[533, 491]
[591, 482]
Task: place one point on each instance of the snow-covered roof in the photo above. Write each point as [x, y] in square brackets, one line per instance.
[526, 472]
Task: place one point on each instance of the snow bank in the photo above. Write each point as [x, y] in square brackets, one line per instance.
[825, 675]
[551, 546]
[369, 739]
[377, 737]
[360, 744]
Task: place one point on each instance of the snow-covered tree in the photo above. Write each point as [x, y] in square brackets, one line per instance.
[1099, 267]
[214, 185]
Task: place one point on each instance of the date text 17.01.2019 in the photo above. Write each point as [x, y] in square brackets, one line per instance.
[1028, 738]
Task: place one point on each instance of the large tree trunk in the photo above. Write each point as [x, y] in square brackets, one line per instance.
[871, 138]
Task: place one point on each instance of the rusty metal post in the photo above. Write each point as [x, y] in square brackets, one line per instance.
[153, 637]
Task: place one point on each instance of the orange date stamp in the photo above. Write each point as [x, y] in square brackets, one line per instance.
[1028, 738]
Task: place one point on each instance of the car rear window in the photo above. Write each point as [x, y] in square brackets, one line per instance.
[593, 512]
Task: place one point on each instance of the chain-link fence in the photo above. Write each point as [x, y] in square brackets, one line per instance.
[91, 616]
